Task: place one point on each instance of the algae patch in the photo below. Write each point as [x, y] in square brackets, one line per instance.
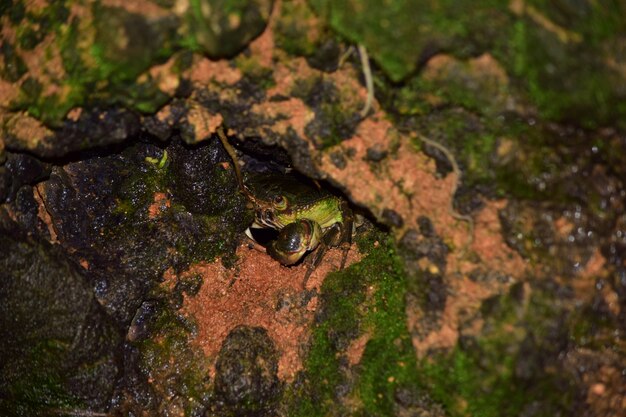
[365, 299]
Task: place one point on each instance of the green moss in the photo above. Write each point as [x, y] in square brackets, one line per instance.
[171, 363]
[144, 96]
[255, 72]
[36, 25]
[14, 66]
[102, 59]
[478, 379]
[293, 29]
[28, 37]
[368, 22]
[550, 67]
[383, 369]
[127, 44]
[222, 28]
[367, 297]
[465, 389]
[136, 193]
[510, 156]
[14, 9]
[485, 375]
[37, 385]
[397, 33]
[472, 147]
[592, 326]
[333, 122]
[542, 47]
[334, 119]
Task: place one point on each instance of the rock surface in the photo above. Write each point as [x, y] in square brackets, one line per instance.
[487, 277]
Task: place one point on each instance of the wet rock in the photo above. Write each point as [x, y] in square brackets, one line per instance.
[143, 321]
[162, 125]
[425, 243]
[601, 377]
[246, 378]
[426, 227]
[129, 221]
[163, 374]
[326, 56]
[80, 208]
[468, 200]
[338, 159]
[376, 153]
[25, 210]
[444, 167]
[20, 197]
[57, 346]
[562, 237]
[410, 402]
[331, 125]
[23, 169]
[200, 180]
[5, 184]
[301, 158]
[424, 255]
[392, 218]
[260, 158]
[93, 128]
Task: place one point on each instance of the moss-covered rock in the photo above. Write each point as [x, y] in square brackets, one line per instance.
[246, 381]
[501, 86]
[160, 360]
[222, 28]
[59, 60]
[361, 306]
[85, 130]
[58, 347]
[126, 214]
[540, 45]
[549, 45]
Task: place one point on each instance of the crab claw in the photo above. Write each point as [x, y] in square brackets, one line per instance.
[294, 240]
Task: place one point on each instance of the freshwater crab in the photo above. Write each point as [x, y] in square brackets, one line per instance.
[308, 219]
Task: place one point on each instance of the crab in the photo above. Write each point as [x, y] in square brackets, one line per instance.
[308, 219]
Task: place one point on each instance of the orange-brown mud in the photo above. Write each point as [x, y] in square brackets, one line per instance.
[204, 122]
[29, 131]
[259, 291]
[354, 352]
[165, 76]
[39, 196]
[603, 375]
[160, 204]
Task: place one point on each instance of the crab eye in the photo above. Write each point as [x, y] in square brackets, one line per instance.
[280, 202]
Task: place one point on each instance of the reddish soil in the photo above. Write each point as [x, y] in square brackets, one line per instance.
[165, 76]
[28, 130]
[204, 71]
[161, 203]
[354, 352]
[42, 212]
[259, 291]
[204, 122]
